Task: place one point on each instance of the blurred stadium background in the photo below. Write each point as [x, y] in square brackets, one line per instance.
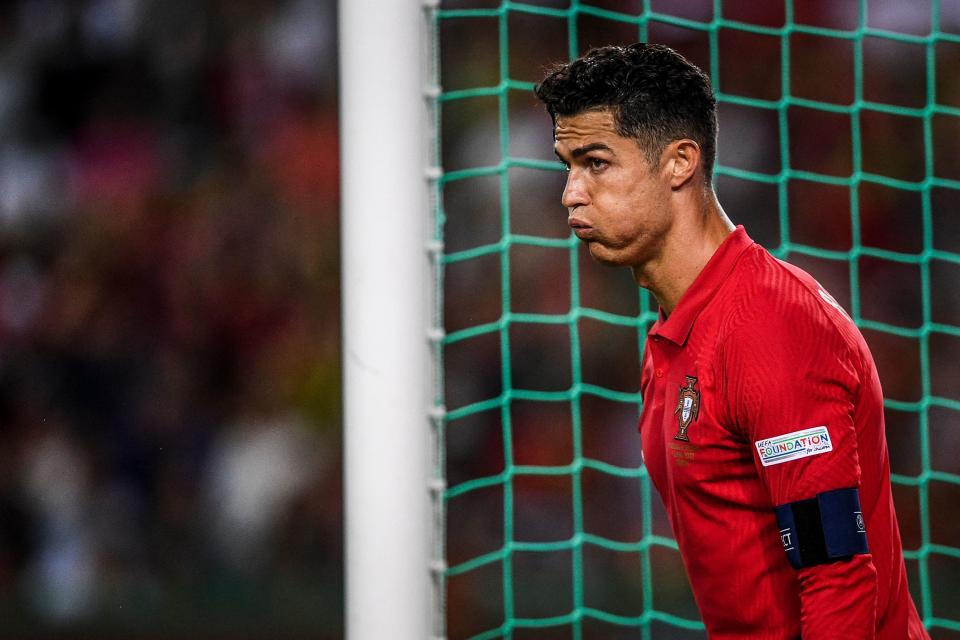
[169, 319]
[169, 328]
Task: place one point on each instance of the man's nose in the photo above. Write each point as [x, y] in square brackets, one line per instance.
[574, 193]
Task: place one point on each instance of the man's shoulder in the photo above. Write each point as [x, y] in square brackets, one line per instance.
[770, 299]
[771, 280]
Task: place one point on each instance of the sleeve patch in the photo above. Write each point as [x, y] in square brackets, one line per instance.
[793, 446]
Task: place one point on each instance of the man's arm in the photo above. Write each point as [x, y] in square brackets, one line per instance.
[839, 600]
[792, 386]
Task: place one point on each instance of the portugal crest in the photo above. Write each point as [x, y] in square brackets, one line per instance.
[688, 407]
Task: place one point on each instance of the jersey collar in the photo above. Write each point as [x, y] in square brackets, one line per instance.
[677, 327]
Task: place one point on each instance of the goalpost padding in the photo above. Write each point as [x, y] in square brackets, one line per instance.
[930, 327]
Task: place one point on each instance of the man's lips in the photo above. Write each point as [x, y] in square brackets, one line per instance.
[580, 227]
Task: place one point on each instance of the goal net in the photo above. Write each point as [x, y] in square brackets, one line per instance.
[838, 128]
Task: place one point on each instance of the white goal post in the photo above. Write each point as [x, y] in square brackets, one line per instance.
[391, 339]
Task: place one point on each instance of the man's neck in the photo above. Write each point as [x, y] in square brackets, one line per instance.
[691, 242]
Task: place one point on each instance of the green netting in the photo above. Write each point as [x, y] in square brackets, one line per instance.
[928, 550]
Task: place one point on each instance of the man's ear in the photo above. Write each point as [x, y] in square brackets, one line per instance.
[682, 161]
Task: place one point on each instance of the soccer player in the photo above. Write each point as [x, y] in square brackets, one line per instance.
[762, 424]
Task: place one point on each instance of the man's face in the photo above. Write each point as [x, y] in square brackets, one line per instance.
[617, 202]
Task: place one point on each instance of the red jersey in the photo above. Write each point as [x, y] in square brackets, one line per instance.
[759, 391]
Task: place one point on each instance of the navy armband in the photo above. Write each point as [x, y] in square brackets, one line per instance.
[823, 529]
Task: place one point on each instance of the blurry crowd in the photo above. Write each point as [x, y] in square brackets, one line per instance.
[169, 378]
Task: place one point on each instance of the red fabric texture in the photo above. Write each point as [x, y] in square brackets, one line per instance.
[772, 354]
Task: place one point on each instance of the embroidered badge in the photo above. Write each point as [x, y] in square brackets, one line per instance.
[688, 407]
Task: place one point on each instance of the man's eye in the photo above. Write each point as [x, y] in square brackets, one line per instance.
[597, 164]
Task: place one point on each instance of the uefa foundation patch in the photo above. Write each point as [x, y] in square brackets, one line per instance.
[793, 446]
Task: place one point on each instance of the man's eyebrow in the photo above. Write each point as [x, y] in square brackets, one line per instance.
[587, 148]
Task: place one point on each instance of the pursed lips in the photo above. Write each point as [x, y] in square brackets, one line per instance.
[580, 227]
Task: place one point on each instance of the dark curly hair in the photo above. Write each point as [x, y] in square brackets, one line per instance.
[655, 94]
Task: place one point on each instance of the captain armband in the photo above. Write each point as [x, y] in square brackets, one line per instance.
[823, 529]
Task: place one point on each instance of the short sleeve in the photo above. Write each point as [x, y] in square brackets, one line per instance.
[791, 382]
